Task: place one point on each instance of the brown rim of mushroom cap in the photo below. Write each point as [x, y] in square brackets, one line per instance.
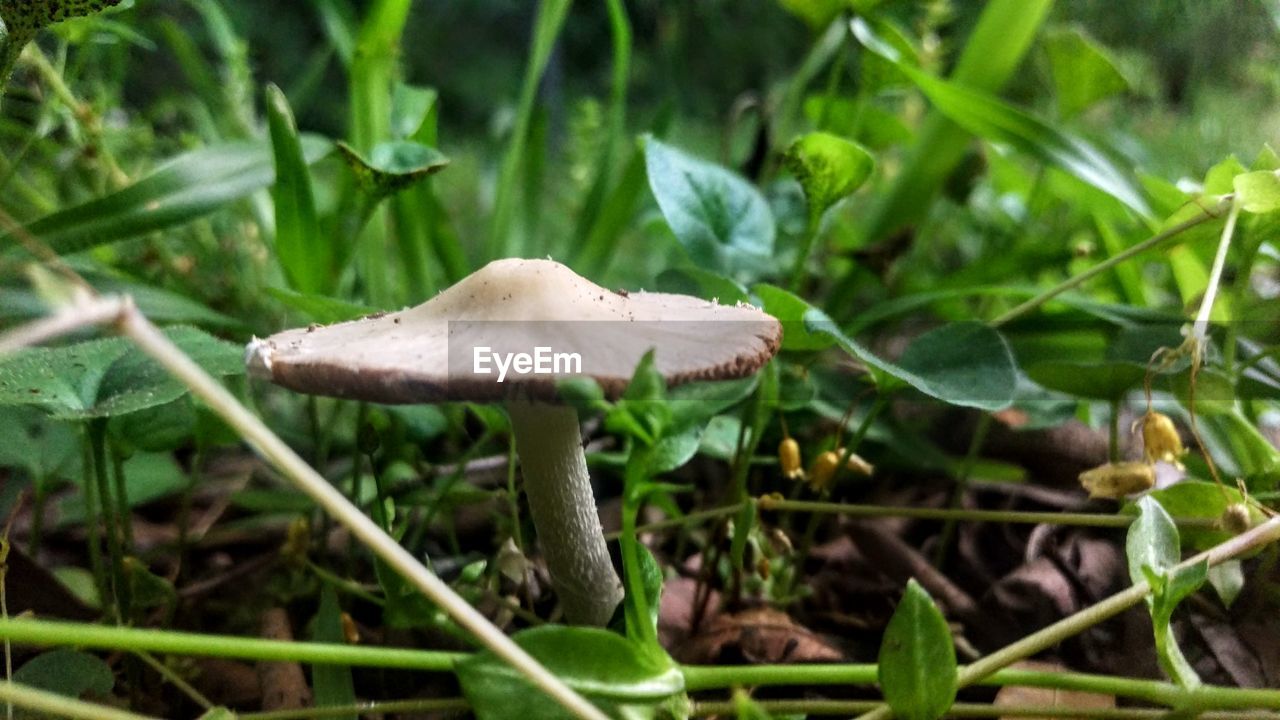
[509, 306]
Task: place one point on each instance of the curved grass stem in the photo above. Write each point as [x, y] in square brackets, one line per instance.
[1224, 203]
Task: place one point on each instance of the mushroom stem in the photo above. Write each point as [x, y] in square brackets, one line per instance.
[549, 443]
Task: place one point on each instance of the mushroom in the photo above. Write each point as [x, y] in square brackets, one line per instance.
[510, 332]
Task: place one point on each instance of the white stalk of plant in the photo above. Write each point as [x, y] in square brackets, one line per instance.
[45, 703]
[1199, 331]
[122, 315]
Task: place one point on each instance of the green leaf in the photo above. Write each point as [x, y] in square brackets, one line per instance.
[990, 118]
[1098, 381]
[332, 684]
[24, 18]
[1152, 541]
[101, 378]
[817, 13]
[966, 364]
[1082, 72]
[163, 428]
[697, 402]
[413, 111]
[304, 253]
[674, 449]
[1237, 444]
[1204, 500]
[71, 673]
[652, 579]
[392, 166]
[702, 283]
[1257, 192]
[184, 188]
[829, 169]
[160, 306]
[44, 447]
[321, 308]
[1167, 591]
[146, 589]
[148, 477]
[723, 222]
[917, 659]
[1227, 580]
[791, 310]
[610, 670]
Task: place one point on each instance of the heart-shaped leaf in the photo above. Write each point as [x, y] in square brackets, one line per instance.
[828, 168]
[67, 672]
[966, 363]
[723, 221]
[101, 378]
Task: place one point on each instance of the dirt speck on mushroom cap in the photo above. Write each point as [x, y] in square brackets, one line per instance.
[424, 353]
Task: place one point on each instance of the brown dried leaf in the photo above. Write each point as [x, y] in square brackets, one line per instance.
[762, 635]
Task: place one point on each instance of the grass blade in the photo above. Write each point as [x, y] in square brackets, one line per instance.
[551, 16]
[187, 187]
[303, 252]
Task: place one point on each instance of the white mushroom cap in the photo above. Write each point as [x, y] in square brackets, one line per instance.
[427, 353]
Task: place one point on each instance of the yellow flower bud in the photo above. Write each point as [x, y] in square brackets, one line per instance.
[822, 470]
[1160, 439]
[789, 459]
[1116, 480]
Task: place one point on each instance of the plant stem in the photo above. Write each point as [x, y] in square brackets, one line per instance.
[962, 486]
[712, 677]
[109, 520]
[632, 570]
[780, 708]
[683, 521]
[697, 677]
[86, 635]
[1200, 332]
[93, 530]
[365, 709]
[47, 703]
[1223, 204]
[806, 246]
[1113, 434]
[81, 111]
[176, 680]
[1006, 516]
